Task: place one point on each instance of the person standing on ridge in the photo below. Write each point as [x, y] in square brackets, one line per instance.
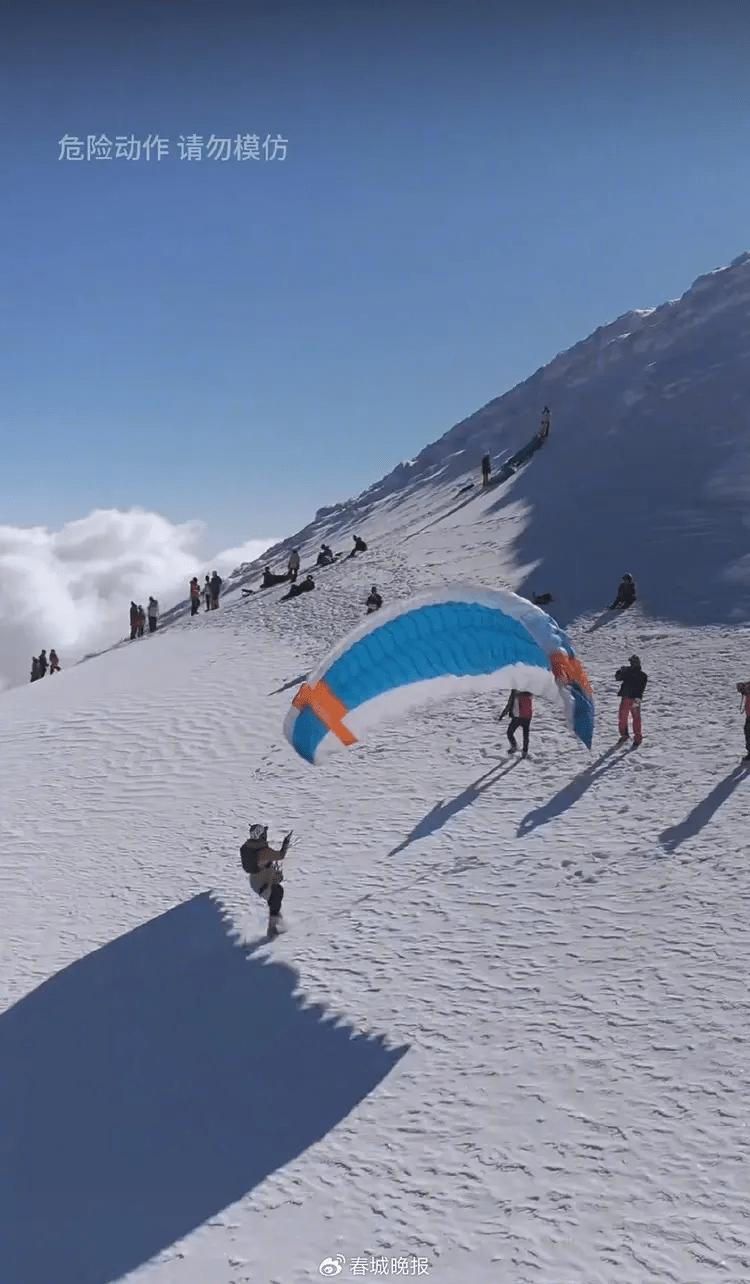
[195, 595]
[633, 681]
[141, 620]
[486, 469]
[54, 663]
[153, 614]
[744, 690]
[544, 431]
[293, 564]
[262, 864]
[42, 663]
[207, 592]
[216, 583]
[133, 621]
[521, 710]
[34, 668]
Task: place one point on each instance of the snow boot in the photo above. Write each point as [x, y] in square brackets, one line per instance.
[274, 925]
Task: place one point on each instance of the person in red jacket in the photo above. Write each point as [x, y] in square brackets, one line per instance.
[521, 711]
[744, 690]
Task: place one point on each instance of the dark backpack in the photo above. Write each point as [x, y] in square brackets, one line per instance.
[249, 855]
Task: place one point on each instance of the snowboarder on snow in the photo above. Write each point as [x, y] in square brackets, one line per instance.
[633, 681]
[486, 469]
[744, 690]
[374, 601]
[544, 430]
[262, 864]
[625, 594]
[521, 711]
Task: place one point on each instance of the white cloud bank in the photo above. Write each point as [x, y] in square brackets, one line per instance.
[71, 589]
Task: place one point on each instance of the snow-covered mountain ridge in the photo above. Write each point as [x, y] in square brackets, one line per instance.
[647, 467]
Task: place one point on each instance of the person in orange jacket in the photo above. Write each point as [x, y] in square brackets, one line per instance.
[521, 711]
[195, 595]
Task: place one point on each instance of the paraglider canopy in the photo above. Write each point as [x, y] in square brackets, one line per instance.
[431, 647]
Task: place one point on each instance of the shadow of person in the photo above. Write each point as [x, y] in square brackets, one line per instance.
[442, 811]
[153, 1083]
[694, 822]
[604, 618]
[570, 794]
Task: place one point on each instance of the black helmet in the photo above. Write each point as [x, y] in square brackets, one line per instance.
[635, 660]
[627, 576]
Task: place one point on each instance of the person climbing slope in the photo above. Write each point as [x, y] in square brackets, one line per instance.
[262, 864]
[633, 681]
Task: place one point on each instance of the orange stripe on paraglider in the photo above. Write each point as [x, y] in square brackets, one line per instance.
[567, 669]
[328, 708]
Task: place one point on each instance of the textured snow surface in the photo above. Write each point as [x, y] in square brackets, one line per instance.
[506, 1036]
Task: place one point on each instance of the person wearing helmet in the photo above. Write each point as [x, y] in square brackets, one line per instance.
[262, 864]
[633, 684]
[625, 594]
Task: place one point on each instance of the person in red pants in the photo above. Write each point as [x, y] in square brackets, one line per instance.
[633, 684]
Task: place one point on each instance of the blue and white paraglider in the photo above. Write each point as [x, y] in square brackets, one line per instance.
[431, 647]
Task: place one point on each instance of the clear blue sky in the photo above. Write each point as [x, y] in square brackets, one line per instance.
[469, 188]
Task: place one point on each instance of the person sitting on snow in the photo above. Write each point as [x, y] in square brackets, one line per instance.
[374, 601]
[359, 546]
[325, 556]
[305, 587]
[262, 864]
[625, 594]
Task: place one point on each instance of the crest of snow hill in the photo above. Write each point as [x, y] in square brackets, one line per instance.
[646, 470]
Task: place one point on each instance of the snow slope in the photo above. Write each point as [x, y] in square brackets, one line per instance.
[647, 467]
[506, 1036]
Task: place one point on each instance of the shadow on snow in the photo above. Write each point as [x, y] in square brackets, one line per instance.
[442, 811]
[153, 1083]
[569, 794]
[694, 822]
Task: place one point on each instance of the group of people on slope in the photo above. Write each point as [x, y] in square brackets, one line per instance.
[138, 618]
[542, 435]
[632, 681]
[209, 593]
[40, 664]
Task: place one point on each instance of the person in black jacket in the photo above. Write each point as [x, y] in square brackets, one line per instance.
[633, 684]
[625, 594]
[215, 583]
[486, 469]
[374, 601]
